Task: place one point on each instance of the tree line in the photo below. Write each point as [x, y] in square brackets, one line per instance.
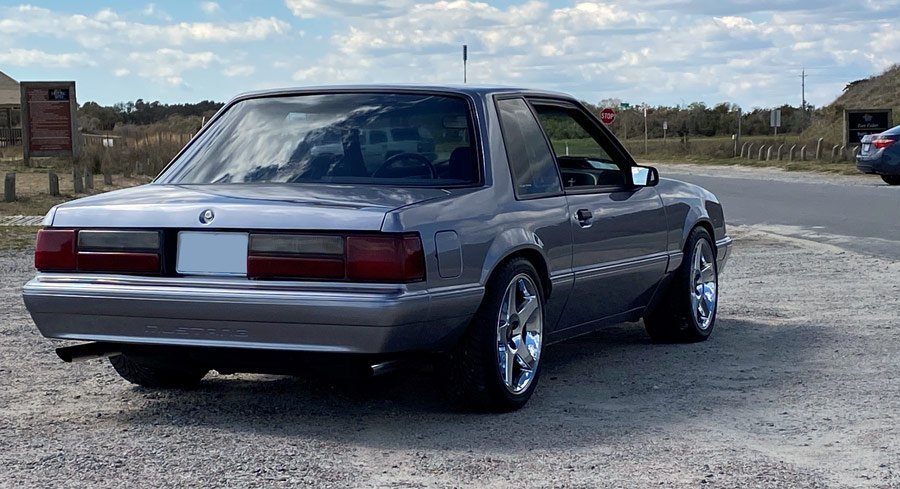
[95, 117]
[699, 119]
[693, 120]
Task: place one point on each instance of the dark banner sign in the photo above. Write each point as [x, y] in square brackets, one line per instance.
[859, 123]
[48, 119]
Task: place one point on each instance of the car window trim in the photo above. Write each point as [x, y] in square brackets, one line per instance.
[572, 105]
[501, 97]
[475, 133]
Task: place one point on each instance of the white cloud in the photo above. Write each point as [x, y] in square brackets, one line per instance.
[238, 70]
[107, 27]
[308, 9]
[120, 72]
[36, 57]
[210, 8]
[168, 65]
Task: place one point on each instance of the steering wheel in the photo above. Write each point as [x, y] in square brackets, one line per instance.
[410, 157]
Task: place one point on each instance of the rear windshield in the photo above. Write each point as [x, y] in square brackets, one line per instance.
[335, 138]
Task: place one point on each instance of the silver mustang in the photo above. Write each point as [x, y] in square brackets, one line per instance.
[376, 222]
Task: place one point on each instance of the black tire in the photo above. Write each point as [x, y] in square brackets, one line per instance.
[674, 320]
[142, 374]
[474, 378]
[891, 179]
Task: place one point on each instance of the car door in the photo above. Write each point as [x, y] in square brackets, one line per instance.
[619, 230]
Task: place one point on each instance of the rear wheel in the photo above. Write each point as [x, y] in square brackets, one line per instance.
[891, 179]
[497, 363]
[688, 309]
[147, 375]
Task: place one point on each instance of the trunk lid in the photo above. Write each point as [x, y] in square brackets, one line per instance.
[242, 206]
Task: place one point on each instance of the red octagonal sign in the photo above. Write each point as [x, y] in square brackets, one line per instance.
[608, 116]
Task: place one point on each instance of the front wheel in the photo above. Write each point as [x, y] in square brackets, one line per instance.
[496, 365]
[891, 179]
[687, 312]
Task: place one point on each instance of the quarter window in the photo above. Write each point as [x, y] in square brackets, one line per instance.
[530, 160]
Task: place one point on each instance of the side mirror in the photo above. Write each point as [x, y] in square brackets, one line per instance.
[644, 176]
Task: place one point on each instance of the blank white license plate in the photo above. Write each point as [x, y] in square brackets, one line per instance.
[212, 253]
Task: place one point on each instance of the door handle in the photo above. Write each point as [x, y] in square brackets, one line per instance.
[584, 217]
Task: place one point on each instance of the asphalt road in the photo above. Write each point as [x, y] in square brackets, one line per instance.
[857, 213]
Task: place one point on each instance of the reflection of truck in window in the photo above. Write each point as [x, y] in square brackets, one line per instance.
[378, 144]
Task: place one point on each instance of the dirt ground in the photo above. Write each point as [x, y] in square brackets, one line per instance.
[799, 387]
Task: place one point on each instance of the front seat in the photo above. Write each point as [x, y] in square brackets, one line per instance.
[462, 164]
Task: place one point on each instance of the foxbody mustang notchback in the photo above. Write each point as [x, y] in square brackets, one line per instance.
[474, 225]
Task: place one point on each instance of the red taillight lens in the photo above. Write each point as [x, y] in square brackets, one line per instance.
[68, 250]
[380, 258]
[54, 250]
[117, 262]
[385, 258]
[882, 143]
[294, 267]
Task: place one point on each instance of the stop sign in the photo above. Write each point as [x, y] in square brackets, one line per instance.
[608, 116]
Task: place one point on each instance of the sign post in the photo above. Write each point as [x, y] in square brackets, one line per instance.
[775, 120]
[49, 125]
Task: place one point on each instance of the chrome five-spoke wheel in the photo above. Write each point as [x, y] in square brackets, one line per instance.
[519, 333]
[703, 284]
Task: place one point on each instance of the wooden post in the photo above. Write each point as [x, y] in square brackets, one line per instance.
[88, 179]
[77, 182]
[107, 179]
[9, 188]
[54, 184]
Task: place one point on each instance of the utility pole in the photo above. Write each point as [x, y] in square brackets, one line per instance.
[803, 89]
[645, 128]
[465, 60]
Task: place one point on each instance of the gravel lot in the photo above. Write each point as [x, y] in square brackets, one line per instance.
[799, 387]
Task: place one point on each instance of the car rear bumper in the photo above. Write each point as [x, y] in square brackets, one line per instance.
[880, 163]
[237, 313]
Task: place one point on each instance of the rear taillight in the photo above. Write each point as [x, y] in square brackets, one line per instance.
[360, 258]
[385, 258]
[69, 250]
[882, 142]
[295, 256]
[54, 250]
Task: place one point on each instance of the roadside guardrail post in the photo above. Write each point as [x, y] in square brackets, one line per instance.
[750, 151]
[834, 152]
[9, 188]
[819, 148]
[77, 182]
[803, 153]
[743, 147]
[54, 184]
[791, 153]
[780, 148]
[769, 153]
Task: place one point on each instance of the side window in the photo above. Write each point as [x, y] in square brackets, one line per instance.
[583, 162]
[530, 160]
[377, 137]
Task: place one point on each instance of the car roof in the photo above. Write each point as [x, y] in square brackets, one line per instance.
[475, 91]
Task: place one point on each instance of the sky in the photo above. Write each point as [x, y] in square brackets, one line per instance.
[660, 52]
